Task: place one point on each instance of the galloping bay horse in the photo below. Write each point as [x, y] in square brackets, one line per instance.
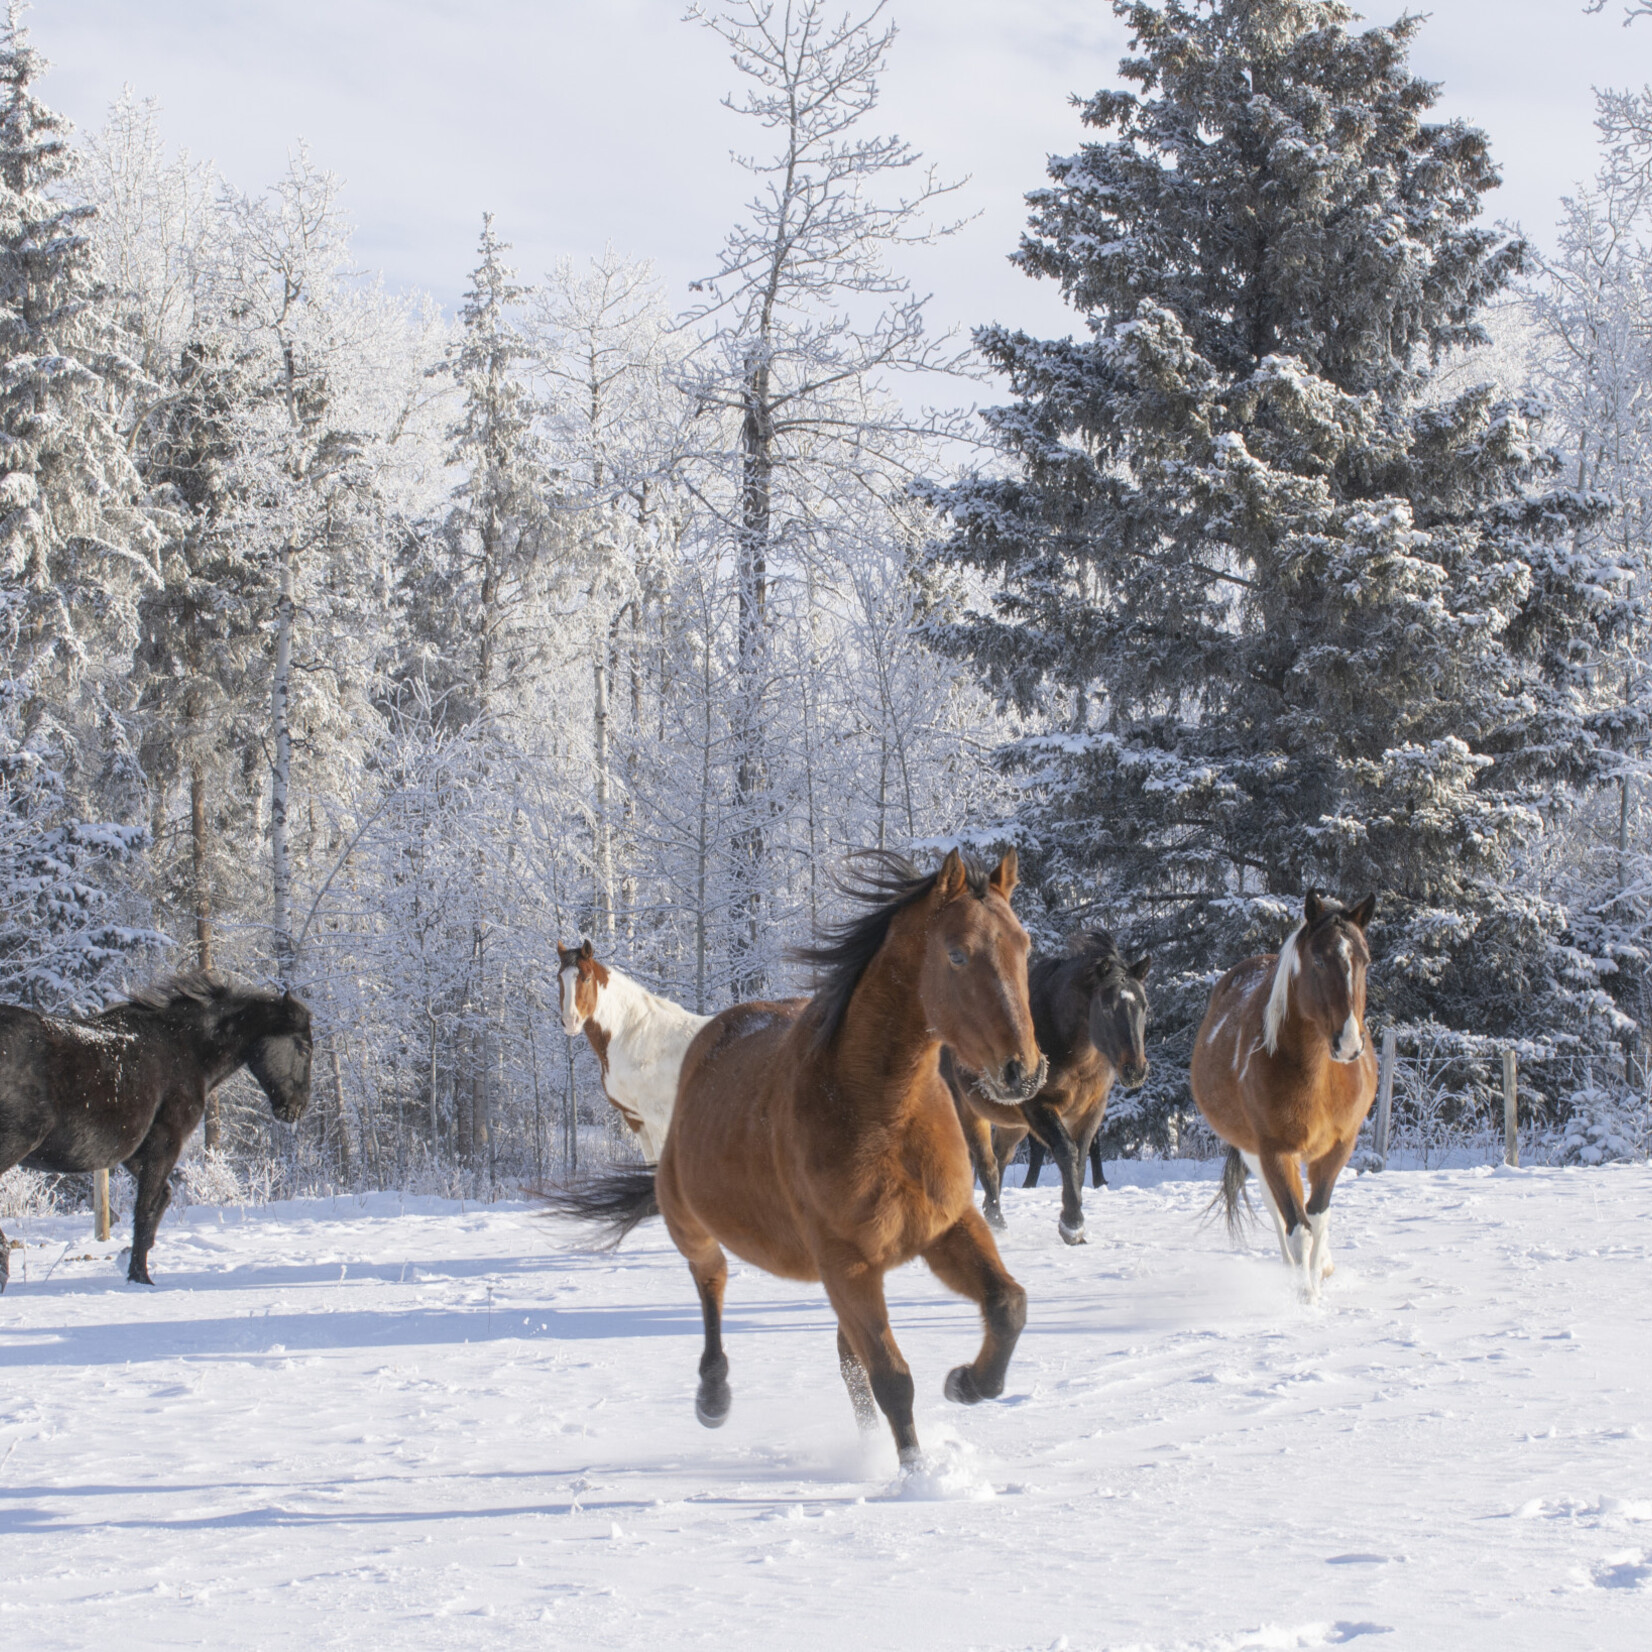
[639, 1038]
[816, 1139]
[1090, 1014]
[1283, 1073]
[130, 1085]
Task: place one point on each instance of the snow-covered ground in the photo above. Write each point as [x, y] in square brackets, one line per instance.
[376, 1424]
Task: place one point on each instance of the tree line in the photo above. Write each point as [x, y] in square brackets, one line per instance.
[371, 651]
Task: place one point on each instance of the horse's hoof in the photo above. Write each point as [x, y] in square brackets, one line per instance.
[711, 1404]
[995, 1218]
[960, 1386]
[1073, 1236]
[134, 1277]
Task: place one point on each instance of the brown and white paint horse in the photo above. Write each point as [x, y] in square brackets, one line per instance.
[1283, 1073]
[639, 1038]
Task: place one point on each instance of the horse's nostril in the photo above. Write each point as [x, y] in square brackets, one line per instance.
[1014, 1075]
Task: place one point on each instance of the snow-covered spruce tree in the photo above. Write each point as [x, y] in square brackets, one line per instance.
[1290, 625]
[76, 549]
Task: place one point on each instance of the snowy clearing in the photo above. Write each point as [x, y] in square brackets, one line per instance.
[426, 1425]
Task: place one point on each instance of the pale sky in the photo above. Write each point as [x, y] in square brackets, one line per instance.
[581, 122]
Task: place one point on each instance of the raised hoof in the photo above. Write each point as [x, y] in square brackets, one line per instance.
[711, 1404]
[961, 1387]
[1072, 1236]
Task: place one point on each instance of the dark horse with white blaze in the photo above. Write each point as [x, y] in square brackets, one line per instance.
[1090, 1013]
[130, 1085]
[816, 1139]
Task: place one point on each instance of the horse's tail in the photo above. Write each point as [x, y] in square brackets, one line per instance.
[614, 1203]
[1231, 1195]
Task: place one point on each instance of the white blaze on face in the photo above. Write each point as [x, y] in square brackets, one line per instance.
[1348, 1041]
[572, 1020]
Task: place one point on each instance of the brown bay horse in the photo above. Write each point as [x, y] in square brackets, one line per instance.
[1283, 1073]
[129, 1086]
[816, 1139]
[1090, 1015]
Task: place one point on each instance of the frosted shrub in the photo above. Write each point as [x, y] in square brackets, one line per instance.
[1603, 1126]
[209, 1179]
[27, 1193]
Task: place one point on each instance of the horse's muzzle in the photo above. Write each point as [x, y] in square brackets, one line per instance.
[1133, 1074]
[1017, 1084]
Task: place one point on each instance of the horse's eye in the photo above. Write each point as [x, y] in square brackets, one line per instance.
[958, 956]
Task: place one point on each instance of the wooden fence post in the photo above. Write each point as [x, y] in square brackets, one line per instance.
[1385, 1096]
[1511, 1122]
[100, 1203]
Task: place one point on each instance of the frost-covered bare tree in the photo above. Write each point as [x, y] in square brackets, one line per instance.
[803, 324]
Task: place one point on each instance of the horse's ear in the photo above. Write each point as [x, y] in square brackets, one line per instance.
[1313, 908]
[950, 880]
[585, 949]
[1005, 874]
[1360, 916]
[1139, 969]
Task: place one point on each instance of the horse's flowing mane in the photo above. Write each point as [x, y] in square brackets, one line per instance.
[1279, 999]
[1097, 949]
[201, 987]
[886, 883]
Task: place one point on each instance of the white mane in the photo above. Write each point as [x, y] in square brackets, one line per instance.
[1279, 998]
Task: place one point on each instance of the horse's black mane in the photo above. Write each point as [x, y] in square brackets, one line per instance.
[199, 987]
[887, 883]
[1095, 949]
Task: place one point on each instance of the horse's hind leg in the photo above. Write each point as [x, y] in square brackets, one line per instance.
[5, 1261]
[855, 1289]
[1035, 1161]
[710, 1269]
[978, 1137]
[857, 1382]
[1322, 1178]
[966, 1260]
[1097, 1179]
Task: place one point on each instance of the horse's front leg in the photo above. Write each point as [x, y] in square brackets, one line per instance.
[1283, 1182]
[1049, 1125]
[966, 1260]
[1322, 1178]
[855, 1289]
[152, 1165]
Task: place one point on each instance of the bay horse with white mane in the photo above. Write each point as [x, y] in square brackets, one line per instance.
[816, 1139]
[1090, 1015]
[130, 1085]
[638, 1037]
[1283, 1073]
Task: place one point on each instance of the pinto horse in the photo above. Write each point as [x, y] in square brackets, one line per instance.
[817, 1140]
[1283, 1073]
[639, 1038]
[1090, 1015]
[130, 1085]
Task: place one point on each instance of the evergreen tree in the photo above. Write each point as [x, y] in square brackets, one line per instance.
[76, 549]
[1290, 619]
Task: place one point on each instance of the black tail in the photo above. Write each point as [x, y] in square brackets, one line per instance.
[1231, 1195]
[616, 1203]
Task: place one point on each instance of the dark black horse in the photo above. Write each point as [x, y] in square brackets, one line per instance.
[1090, 1014]
[130, 1085]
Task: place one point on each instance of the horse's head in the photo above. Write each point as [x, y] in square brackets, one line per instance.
[1118, 1016]
[973, 983]
[280, 1060]
[581, 979]
[1331, 959]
